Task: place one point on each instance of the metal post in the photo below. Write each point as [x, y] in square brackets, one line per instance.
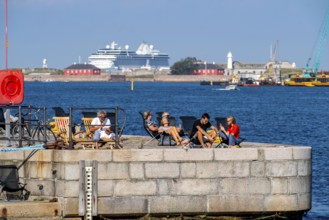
[44, 125]
[7, 125]
[88, 191]
[117, 139]
[6, 34]
[20, 141]
[70, 128]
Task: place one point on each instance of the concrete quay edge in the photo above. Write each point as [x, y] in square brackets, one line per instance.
[265, 178]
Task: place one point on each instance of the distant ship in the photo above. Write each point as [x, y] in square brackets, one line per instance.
[145, 57]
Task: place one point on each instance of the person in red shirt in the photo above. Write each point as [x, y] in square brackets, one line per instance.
[232, 134]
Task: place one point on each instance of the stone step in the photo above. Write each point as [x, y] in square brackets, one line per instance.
[30, 210]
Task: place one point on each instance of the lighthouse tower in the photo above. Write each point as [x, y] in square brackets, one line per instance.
[229, 63]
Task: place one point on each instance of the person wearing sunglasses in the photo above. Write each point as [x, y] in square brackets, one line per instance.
[232, 134]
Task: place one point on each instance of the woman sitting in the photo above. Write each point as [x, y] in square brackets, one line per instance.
[171, 130]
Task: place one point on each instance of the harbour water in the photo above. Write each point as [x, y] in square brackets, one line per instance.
[284, 115]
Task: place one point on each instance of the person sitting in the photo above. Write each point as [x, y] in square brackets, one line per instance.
[232, 134]
[171, 130]
[179, 129]
[100, 124]
[151, 125]
[203, 128]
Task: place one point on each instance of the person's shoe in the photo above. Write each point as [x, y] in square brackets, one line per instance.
[185, 142]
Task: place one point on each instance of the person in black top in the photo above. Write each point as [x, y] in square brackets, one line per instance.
[203, 128]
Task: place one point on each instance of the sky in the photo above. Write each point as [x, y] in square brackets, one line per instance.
[66, 31]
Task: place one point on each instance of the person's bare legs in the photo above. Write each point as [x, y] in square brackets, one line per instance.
[171, 133]
[200, 138]
[213, 135]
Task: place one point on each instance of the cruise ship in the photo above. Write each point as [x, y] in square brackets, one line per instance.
[113, 57]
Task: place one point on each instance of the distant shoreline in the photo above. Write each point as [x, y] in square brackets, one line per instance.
[115, 78]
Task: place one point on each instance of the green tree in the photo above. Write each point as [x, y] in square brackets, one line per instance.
[184, 66]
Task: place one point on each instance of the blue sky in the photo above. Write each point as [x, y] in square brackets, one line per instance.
[63, 30]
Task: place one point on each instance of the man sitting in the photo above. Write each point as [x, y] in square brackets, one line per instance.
[99, 125]
[201, 129]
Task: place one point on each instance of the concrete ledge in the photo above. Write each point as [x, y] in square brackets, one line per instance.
[147, 155]
[188, 155]
[30, 209]
[178, 204]
[303, 153]
[123, 206]
[135, 188]
[233, 203]
[236, 154]
[77, 155]
[41, 155]
[277, 153]
[281, 203]
[259, 178]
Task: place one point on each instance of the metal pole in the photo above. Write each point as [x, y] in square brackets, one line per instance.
[116, 128]
[6, 33]
[20, 141]
[70, 128]
[7, 126]
[44, 125]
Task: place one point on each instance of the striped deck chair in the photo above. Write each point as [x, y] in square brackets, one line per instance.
[63, 132]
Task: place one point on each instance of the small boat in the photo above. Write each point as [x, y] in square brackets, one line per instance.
[229, 87]
[250, 82]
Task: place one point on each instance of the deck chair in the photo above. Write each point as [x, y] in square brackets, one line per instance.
[10, 185]
[62, 124]
[171, 120]
[159, 136]
[219, 121]
[89, 134]
[159, 114]
[187, 124]
[59, 112]
[89, 114]
[2, 119]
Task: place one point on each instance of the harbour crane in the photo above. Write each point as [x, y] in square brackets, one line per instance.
[320, 46]
[274, 51]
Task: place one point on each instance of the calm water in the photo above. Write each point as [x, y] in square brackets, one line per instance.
[286, 115]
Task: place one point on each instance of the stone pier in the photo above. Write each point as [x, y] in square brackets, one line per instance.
[257, 179]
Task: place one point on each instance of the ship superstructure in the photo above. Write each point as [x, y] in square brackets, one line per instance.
[114, 57]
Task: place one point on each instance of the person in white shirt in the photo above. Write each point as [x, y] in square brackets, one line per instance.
[99, 125]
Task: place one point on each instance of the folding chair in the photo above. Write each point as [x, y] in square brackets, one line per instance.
[187, 124]
[2, 119]
[63, 129]
[154, 135]
[10, 185]
[59, 112]
[219, 121]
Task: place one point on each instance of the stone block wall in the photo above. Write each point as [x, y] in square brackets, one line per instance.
[170, 181]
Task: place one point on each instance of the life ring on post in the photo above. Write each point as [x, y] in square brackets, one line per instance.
[11, 87]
